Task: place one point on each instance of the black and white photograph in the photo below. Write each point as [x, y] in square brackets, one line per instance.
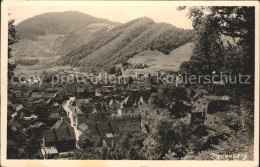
[128, 80]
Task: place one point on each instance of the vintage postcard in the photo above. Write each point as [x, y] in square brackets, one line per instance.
[133, 83]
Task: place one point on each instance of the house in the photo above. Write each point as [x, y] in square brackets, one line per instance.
[61, 136]
[200, 108]
[20, 109]
[31, 117]
[118, 126]
[129, 107]
[39, 103]
[217, 103]
[132, 125]
[54, 116]
[19, 134]
[152, 98]
[49, 152]
[83, 127]
[48, 95]
[77, 114]
[107, 89]
[103, 110]
[200, 91]
[57, 97]
[144, 109]
[80, 91]
[52, 119]
[114, 105]
[17, 94]
[53, 89]
[55, 106]
[37, 95]
[34, 130]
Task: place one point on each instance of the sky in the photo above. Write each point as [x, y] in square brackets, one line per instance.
[115, 12]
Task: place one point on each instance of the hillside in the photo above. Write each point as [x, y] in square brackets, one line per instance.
[91, 44]
[55, 34]
[159, 61]
[125, 41]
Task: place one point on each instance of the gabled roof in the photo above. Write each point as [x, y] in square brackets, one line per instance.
[217, 98]
[141, 99]
[14, 123]
[201, 105]
[80, 89]
[39, 101]
[54, 116]
[114, 104]
[50, 150]
[88, 107]
[83, 127]
[82, 101]
[61, 134]
[77, 110]
[98, 94]
[101, 107]
[55, 104]
[60, 123]
[49, 100]
[19, 107]
[37, 94]
[103, 128]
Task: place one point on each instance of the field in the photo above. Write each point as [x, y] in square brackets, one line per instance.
[159, 61]
[154, 59]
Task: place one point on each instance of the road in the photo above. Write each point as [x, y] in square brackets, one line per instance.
[70, 113]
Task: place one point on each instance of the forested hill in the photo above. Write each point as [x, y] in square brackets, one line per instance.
[80, 40]
[52, 35]
[56, 23]
[123, 41]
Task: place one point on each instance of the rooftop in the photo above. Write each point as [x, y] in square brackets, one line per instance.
[61, 134]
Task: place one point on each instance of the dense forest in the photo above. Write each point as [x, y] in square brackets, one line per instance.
[12, 39]
[124, 41]
[212, 55]
[56, 23]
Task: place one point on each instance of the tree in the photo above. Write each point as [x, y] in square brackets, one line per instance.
[129, 146]
[176, 101]
[112, 70]
[211, 25]
[130, 81]
[167, 135]
[90, 147]
[12, 38]
[87, 140]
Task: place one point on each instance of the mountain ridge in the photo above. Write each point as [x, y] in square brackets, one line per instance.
[81, 40]
[126, 40]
